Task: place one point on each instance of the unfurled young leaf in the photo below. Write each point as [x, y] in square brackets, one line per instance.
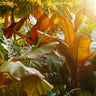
[54, 21]
[38, 12]
[43, 23]
[68, 30]
[33, 80]
[79, 17]
[68, 13]
[42, 20]
[6, 20]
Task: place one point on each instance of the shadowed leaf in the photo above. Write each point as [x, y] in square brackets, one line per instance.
[24, 37]
[13, 27]
[34, 83]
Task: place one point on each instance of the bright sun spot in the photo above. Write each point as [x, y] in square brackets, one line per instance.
[93, 5]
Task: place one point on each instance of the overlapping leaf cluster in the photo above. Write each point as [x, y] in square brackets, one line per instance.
[74, 48]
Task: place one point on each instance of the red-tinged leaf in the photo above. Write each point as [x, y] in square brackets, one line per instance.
[5, 81]
[68, 13]
[77, 54]
[41, 51]
[6, 20]
[43, 23]
[13, 27]
[38, 12]
[46, 39]
[24, 37]
[68, 30]
[79, 17]
[15, 59]
[33, 35]
[54, 20]
[61, 47]
[7, 32]
[16, 26]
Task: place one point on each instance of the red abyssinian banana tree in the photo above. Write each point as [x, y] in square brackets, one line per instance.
[14, 28]
[77, 51]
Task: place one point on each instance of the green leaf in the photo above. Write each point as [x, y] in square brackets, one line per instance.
[21, 42]
[1, 34]
[54, 62]
[3, 51]
[41, 51]
[33, 80]
[18, 71]
[37, 87]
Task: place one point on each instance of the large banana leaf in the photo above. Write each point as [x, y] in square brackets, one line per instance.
[34, 82]
[41, 51]
[68, 30]
[77, 54]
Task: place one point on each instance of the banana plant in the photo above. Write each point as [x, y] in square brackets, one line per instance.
[14, 28]
[76, 49]
[33, 81]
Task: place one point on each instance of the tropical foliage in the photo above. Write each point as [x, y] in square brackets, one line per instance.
[49, 55]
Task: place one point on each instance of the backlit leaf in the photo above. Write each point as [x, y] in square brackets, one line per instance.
[68, 13]
[38, 12]
[68, 30]
[54, 21]
[42, 23]
[90, 14]
[79, 17]
[78, 53]
[46, 39]
[61, 47]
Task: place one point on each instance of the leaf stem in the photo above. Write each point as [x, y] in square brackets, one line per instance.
[41, 38]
